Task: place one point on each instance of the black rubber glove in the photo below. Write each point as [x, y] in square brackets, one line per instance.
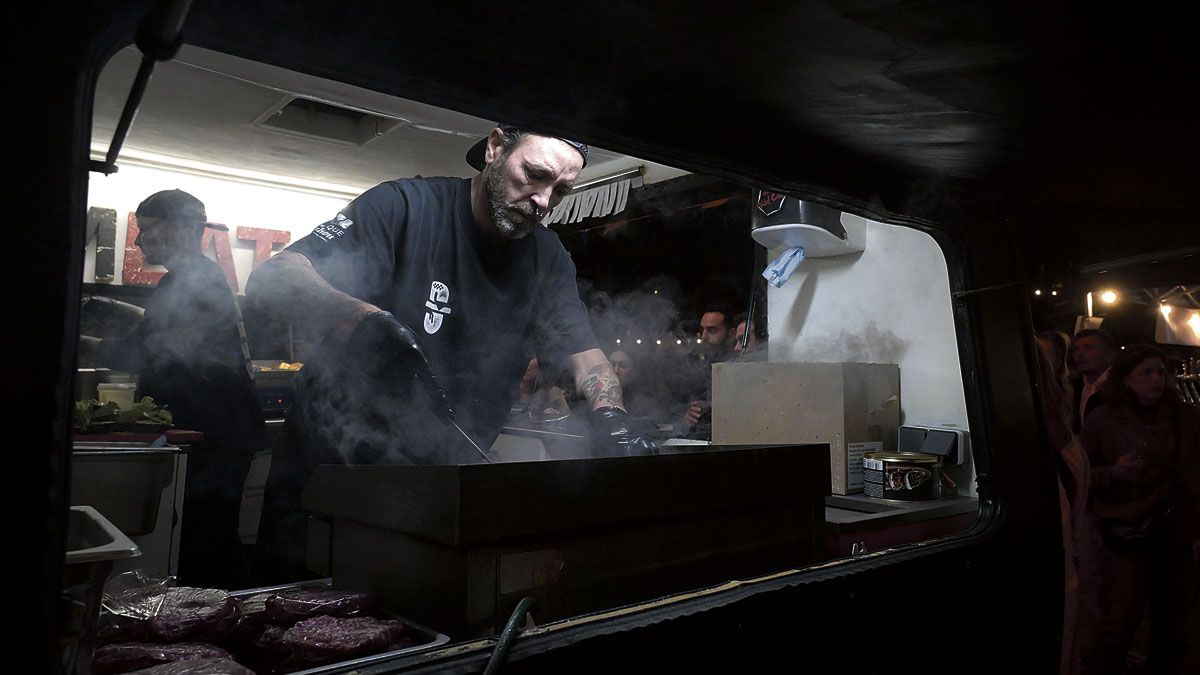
[388, 349]
[613, 434]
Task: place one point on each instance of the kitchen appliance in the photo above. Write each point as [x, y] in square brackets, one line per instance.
[457, 547]
[822, 231]
[273, 386]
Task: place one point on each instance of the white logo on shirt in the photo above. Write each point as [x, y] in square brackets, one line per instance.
[333, 229]
[438, 292]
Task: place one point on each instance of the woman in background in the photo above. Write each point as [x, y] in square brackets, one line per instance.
[1144, 446]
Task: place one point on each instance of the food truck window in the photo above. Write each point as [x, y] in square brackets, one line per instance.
[851, 350]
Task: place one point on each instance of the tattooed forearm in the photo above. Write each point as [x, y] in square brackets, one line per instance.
[601, 387]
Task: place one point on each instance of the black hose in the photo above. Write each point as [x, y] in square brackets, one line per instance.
[517, 618]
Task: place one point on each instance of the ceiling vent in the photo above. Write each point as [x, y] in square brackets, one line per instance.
[316, 119]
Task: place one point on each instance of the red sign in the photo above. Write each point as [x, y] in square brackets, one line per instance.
[136, 273]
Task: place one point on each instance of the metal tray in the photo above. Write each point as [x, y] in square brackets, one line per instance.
[93, 544]
[123, 482]
[436, 639]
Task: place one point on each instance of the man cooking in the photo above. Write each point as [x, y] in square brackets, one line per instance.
[432, 295]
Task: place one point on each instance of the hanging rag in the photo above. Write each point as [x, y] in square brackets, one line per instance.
[780, 269]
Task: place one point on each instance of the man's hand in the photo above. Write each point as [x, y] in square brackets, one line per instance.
[695, 410]
[614, 436]
[1128, 468]
[388, 349]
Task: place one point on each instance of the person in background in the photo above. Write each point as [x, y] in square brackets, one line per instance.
[1092, 351]
[716, 331]
[190, 356]
[1144, 447]
[739, 335]
[1057, 345]
[1078, 521]
[716, 342]
[643, 395]
[431, 294]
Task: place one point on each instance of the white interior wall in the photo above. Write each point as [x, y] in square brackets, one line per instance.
[887, 304]
[231, 203]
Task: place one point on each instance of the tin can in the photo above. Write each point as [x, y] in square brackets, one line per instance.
[902, 476]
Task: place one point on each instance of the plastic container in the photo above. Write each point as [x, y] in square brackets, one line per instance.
[93, 544]
[120, 393]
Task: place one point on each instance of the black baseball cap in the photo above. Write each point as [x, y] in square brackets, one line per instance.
[177, 206]
[475, 154]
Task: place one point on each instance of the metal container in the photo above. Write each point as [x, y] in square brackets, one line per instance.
[902, 476]
[125, 481]
[93, 544]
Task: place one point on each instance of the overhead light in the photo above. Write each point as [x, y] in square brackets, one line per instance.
[1165, 309]
[658, 342]
[1108, 297]
[679, 342]
[639, 341]
[1053, 292]
[1194, 322]
[1037, 292]
[618, 340]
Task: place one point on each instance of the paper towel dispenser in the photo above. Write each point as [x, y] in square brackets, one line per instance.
[946, 442]
[782, 221]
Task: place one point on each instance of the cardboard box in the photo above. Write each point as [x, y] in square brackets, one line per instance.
[854, 407]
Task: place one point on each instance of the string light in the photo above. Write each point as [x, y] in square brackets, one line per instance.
[658, 342]
[1037, 292]
[1053, 292]
[639, 341]
[618, 340]
[679, 342]
[697, 340]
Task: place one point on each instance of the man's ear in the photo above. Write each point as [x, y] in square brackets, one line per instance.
[495, 146]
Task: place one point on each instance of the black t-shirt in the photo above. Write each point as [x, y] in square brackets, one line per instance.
[479, 310]
[188, 354]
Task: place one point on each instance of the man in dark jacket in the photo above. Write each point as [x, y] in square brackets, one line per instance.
[189, 354]
[1092, 352]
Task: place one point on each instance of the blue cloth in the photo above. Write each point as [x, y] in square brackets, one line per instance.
[780, 269]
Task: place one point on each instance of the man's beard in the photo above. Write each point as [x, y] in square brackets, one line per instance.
[508, 226]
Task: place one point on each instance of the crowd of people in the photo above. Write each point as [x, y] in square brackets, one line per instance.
[1127, 449]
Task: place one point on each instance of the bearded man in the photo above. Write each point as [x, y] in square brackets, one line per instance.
[432, 294]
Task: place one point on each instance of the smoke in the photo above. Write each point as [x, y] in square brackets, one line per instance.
[873, 345]
[649, 312]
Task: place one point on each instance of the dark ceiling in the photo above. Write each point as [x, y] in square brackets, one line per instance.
[1062, 131]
